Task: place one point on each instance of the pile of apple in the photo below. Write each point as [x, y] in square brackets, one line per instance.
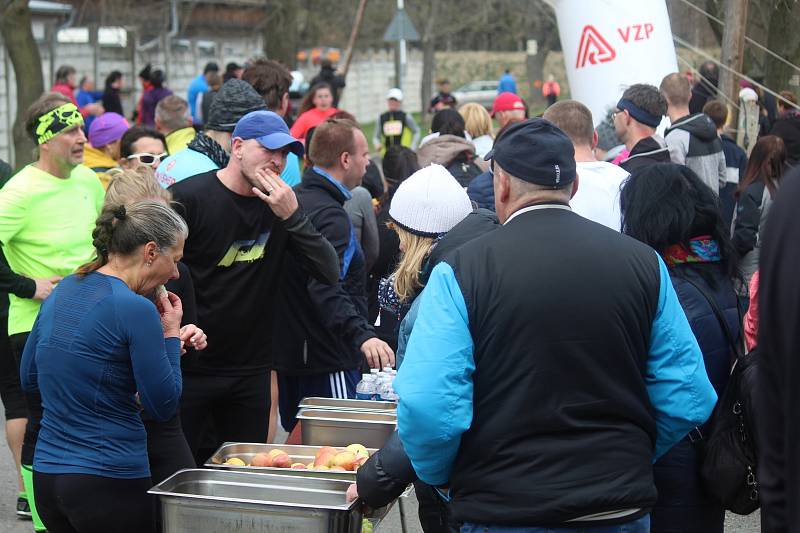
[327, 458]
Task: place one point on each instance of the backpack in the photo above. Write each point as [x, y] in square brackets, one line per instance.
[727, 453]
[463, 170]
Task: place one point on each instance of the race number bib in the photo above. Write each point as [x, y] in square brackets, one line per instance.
[392, 128]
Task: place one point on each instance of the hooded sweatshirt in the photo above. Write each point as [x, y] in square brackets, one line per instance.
[693, 141]
[444, 149]
[648, 151]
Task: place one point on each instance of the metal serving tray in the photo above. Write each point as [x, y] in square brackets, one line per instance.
[299, 454]
[218, 501]
[326, 427]
[343, 404]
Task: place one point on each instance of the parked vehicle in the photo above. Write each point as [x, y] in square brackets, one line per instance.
[482, 92]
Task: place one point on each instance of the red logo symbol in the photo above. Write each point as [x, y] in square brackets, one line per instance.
[593, 48]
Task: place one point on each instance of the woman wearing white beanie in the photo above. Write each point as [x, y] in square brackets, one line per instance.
[425, 207]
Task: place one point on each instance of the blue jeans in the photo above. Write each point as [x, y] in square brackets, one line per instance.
[642, 525]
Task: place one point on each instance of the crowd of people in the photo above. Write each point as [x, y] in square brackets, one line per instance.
[564, 316]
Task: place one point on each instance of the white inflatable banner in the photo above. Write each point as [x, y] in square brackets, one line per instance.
[612, 44]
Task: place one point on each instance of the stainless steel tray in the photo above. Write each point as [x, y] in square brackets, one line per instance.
[344, 404]
[299, 454]
[217, 501]
[327, 427]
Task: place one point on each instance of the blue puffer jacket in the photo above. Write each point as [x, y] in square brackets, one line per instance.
[481, 191]
[683, 506]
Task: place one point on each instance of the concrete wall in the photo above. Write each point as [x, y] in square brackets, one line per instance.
[185, 61]
[371, 76]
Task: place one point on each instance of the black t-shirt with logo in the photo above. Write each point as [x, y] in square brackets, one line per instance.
[233, 251]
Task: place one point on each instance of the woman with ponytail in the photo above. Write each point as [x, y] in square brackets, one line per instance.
[99, 352]
[167, 449]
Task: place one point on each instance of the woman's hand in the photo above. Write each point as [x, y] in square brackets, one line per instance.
[194, 337]
[171, 311]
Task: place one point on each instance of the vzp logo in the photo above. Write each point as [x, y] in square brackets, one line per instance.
[593, 48]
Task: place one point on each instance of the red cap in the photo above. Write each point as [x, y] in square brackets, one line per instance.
[507, 102]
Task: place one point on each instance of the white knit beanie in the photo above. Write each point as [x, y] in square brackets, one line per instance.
[430, 202]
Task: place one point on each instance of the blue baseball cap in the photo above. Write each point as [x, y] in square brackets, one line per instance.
[536, 151]
[269, 129]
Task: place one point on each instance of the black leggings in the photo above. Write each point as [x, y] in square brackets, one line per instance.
[83, 503]
[167, 449]
[236, 407]
[33, 404]
[10, 389]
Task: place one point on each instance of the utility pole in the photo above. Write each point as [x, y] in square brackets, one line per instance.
[733, 38]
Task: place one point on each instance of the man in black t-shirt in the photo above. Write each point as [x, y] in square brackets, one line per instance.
[242, 220]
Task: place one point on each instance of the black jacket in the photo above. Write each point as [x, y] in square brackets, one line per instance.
[646, 152]
[778, 373]
[584, 444]
[321, 327]
[787, 127]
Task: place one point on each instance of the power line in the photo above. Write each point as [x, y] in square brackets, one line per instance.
[709, 57]
[748, 39]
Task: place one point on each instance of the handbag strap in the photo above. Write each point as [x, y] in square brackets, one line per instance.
[733, 342]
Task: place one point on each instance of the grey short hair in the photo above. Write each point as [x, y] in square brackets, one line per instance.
[122, 229]
[172, 112]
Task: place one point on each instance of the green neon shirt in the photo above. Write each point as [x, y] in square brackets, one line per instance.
[46, 226]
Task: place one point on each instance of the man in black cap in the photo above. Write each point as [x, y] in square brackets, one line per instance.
[638, 114]
[550, 362]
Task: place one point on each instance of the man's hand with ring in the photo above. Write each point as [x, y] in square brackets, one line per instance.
[278, 196]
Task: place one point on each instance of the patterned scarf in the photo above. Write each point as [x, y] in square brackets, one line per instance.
[206, 145]
[702, 249]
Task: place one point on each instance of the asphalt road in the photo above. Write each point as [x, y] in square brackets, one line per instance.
[10, 524]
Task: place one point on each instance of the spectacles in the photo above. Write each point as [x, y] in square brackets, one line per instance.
[615, 113]
[147, 158]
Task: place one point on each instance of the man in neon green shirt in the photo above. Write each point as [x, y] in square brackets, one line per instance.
[47, 215]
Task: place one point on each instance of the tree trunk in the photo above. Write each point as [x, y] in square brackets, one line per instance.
[784, 40]
[280, 33]
[15, 26]
[733, 51]
[351, 42]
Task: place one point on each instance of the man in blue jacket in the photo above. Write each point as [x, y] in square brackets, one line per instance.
[322, 336]
[550, 363]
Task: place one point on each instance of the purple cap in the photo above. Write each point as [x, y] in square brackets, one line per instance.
[107, 128]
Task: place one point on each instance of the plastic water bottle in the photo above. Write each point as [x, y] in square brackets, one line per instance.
[387, 393]
[366, 388]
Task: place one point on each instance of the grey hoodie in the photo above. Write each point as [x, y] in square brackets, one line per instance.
[693, 141]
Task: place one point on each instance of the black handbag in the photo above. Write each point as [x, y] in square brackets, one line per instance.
[727, 452]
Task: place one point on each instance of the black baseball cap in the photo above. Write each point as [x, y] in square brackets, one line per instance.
[536, 151]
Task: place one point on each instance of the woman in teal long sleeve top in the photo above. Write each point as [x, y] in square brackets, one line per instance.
[98, 353]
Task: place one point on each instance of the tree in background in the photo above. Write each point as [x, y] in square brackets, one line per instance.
[15, 27]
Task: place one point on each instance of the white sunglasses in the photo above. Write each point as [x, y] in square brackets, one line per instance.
[147, 158]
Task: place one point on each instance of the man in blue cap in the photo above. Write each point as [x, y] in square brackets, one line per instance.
[550, 362]
[242, 220]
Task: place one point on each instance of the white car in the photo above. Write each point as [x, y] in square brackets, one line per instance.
[482, 92]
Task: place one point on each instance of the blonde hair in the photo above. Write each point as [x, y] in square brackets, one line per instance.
[477, 119]
[134, 185]
[406, 274]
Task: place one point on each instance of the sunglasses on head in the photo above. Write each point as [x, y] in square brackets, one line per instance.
[148, 159]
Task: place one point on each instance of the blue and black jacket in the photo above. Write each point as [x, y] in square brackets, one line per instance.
[321, 327]
[549, 365]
